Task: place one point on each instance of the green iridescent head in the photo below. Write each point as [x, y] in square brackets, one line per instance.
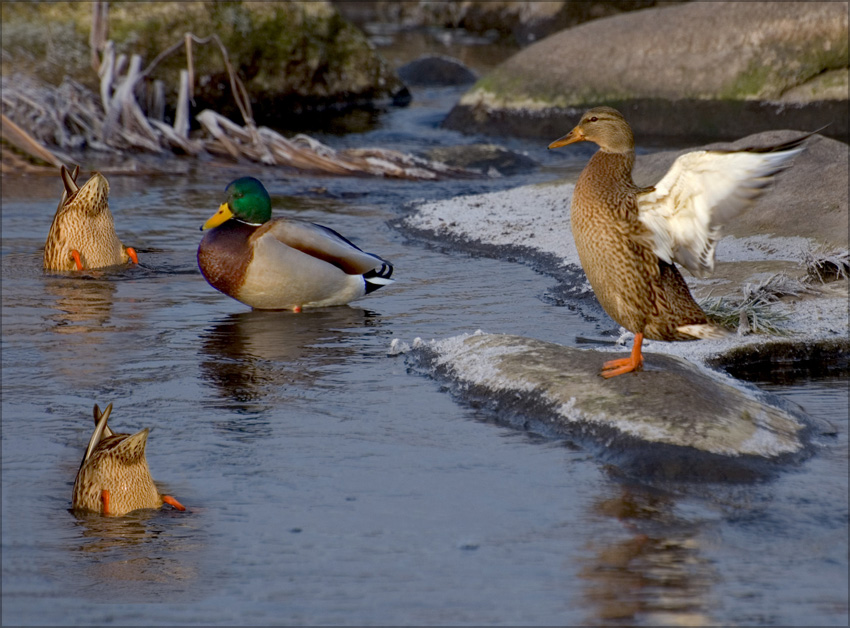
[247, 201]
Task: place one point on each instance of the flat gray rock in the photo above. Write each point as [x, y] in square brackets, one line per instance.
[689, 413]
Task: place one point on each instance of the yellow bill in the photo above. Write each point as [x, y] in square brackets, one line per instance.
[221, 216]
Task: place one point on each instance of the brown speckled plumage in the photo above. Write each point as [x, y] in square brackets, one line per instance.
[639, 291]
[115, 464]
[628, 238]
[83, 223]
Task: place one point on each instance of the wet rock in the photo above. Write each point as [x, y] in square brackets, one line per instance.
[487, 159]
[810, 199]
[435, 71]
[703, 69]
[787, 360]
[292, 56]
[689, 413]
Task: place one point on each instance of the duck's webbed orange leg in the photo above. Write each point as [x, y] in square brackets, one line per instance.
[168, 499]
[132, 253]
[76, 254]
[634, 362]
[104, 497]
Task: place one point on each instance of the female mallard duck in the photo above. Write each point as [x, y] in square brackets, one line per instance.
[282, 264]
[628, 237]
[114, 477]
[83, 233]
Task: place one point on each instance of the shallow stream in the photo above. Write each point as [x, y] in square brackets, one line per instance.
[328, 483]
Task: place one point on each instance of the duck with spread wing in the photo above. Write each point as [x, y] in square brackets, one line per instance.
[630, 238]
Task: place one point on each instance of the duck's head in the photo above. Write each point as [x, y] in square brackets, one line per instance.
[604, 126]
[247, 201]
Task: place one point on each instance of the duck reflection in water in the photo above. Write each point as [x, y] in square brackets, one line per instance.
[142, 555]
[253, 358]
[81, 305]
[655, 576]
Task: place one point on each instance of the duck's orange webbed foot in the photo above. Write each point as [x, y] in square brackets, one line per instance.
[104, 497]
[634, 362]
[76, 254]
[168, 499]
[133, 255]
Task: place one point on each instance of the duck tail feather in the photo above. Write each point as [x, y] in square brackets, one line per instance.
[378, 277]
[704, 331]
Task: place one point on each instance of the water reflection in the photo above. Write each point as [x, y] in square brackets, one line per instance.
[81, 306]
[252, 358]
[132, 557]
[657, 575]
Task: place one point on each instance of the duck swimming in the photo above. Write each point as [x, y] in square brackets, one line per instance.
[82, 235]
[282, 263]
[630, 238]
[114, 477]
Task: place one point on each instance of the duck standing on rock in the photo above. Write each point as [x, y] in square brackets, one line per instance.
[114, 477]
[628, 237]
[281, 263]
[82, 235]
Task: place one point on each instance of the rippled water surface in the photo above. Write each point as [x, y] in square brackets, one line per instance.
[325, 481]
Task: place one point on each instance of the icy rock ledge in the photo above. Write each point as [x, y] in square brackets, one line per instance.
[671, 403]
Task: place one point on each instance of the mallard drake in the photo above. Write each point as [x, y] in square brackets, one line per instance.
[114, 477]
[83, 232]
[629, 238]
[281, 263]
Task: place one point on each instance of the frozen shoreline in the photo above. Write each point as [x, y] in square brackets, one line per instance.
[536, 218]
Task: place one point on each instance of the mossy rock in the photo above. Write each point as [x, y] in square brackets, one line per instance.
[717, 52]
[292, 56]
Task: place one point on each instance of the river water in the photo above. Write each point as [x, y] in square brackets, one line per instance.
[328, 482]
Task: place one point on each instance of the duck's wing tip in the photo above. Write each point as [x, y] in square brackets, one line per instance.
[703, 190]
[327, 245]
[101, 430]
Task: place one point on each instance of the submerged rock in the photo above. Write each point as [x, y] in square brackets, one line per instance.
[489, 159]
[693, 417]
[436, 70]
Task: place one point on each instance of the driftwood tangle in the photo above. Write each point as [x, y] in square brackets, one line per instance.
[71, 117]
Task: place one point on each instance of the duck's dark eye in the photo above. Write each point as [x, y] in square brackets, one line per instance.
[593, 119]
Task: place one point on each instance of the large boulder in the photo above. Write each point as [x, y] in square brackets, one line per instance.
[711, 70]
[292, 56]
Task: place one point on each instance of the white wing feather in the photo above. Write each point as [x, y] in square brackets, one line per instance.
[686, 210]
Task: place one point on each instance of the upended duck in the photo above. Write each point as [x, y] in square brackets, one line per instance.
[114, 477]
[282, 263]
[630, 238]
[82, 235]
